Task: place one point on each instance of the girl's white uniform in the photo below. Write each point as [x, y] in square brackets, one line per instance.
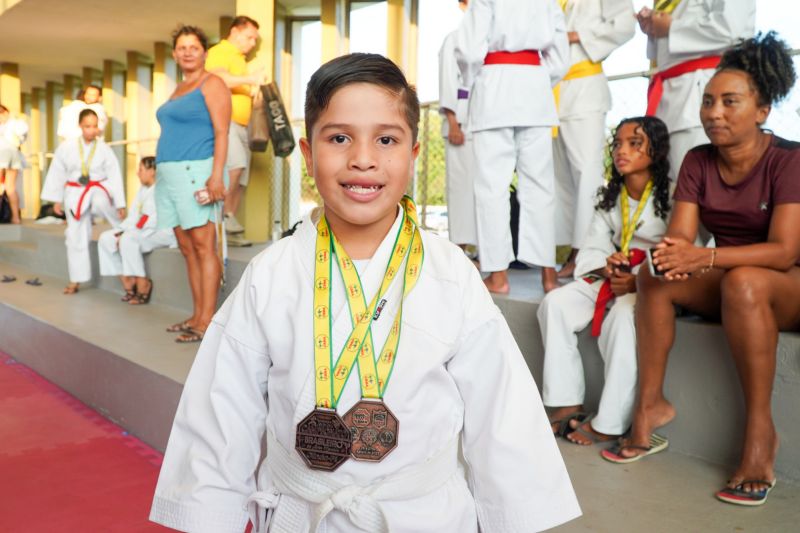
[124, 255]
[511, 112]
[453, 95]
[569, 309]
[699, 28]
[459, 378]
[61, 185]
[603, 26]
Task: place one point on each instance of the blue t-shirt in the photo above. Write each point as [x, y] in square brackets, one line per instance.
[186, 130]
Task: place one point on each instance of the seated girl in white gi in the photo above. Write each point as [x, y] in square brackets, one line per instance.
[447, 369]
[630, 217]
[121, 250]
[84, 178]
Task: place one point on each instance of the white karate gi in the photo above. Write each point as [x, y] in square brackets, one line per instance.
[569, 309]
[66, 167]
[459, 376]
[510, 114]
[123, 255]
[603, 26]
[699, 28]
[459, 165]
[13, 133]
[68, 126]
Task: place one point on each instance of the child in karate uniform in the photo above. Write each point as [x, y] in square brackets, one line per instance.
[121, 250]
[84, 178]
[374, 446]
[630, 217]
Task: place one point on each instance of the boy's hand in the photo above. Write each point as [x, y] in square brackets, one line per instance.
[455, 135]
[660, 25]
[573, 37]
[121, 213]
[58, 209]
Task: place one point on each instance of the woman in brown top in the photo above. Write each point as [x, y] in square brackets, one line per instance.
[745, 189]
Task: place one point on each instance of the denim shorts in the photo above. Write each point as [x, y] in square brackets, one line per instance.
[176, 183]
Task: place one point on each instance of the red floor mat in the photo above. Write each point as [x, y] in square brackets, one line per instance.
[65, 468]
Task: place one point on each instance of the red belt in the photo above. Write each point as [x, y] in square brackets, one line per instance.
[523, 57]
[77, 214]
[637, 256]
[656, 87]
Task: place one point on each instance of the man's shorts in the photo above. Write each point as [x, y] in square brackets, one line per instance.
[239, 152]
[176, 183]
[10, 158]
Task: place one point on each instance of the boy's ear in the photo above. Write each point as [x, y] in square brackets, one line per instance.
[305, 148]
[415, 150]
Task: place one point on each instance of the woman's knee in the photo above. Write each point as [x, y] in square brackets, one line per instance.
[744, 287]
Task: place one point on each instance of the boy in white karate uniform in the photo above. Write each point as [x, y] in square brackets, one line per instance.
[121, 250]
[630, 218]
[448, 371]
[84, 178]
[686, 41]
[510, 53]
[459, 166]
[595, 28]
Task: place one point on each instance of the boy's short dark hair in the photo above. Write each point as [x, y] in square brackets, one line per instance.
[148, 162]
[359, 68]
[85, 113]
[242, 21]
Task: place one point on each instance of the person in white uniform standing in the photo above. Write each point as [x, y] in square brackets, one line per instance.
[13, 132]
[84, 178]
[90, 97]
[375, 450]
[686, 41]
[511, 53]
[630, 218]
[459, 166]
[121, 250]
[595, 28]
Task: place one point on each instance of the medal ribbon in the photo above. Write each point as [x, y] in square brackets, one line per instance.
[628, 224]
[666, 6]
[85, 164]
[374, 378]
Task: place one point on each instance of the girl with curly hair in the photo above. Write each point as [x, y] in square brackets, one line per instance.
[745, 189]
[630, 217]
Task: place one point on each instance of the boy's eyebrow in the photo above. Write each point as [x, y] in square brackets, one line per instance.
[343, 126]
[729, 93]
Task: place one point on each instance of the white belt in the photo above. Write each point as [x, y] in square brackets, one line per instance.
[291, 476]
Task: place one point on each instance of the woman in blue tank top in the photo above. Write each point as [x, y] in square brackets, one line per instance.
[191, 169]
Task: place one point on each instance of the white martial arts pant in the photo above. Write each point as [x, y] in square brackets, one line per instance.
[562, 314]
[461, 192]
[79, 232]
[681, 142]
[579, 153]
[497, 153]
[124, 256]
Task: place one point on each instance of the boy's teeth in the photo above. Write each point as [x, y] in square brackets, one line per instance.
[362, 190]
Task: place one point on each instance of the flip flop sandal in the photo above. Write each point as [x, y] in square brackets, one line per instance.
[129, 295]
[189, 336]
[35, 283]
[738, 496]
[591, 437]
[614, 454]
[142, 298]
[563, 423]
[8, 279]
[180, 327]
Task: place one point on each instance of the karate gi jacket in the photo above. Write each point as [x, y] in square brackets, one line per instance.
[459, 375]
[506, 96]
[450, 84]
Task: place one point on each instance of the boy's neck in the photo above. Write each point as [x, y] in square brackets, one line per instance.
[636, 182]
[360, 241]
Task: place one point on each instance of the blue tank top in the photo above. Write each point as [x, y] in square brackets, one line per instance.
[186, 130]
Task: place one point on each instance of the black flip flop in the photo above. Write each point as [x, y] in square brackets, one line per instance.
[34, 282]
[8, 279]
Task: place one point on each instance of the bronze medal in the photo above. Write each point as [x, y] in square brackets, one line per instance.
[83, 180]
[323, 440]
[373, 429]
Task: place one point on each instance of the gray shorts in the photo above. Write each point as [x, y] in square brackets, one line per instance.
[10, 158]
[239, 152]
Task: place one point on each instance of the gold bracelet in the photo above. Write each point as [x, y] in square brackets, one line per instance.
[710, 264]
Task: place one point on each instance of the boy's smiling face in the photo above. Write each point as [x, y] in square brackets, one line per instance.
[361, 156]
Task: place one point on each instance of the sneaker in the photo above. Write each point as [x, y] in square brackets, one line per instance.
[232, 225]
[238, 241]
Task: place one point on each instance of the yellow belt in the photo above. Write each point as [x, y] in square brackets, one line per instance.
[582, 69]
